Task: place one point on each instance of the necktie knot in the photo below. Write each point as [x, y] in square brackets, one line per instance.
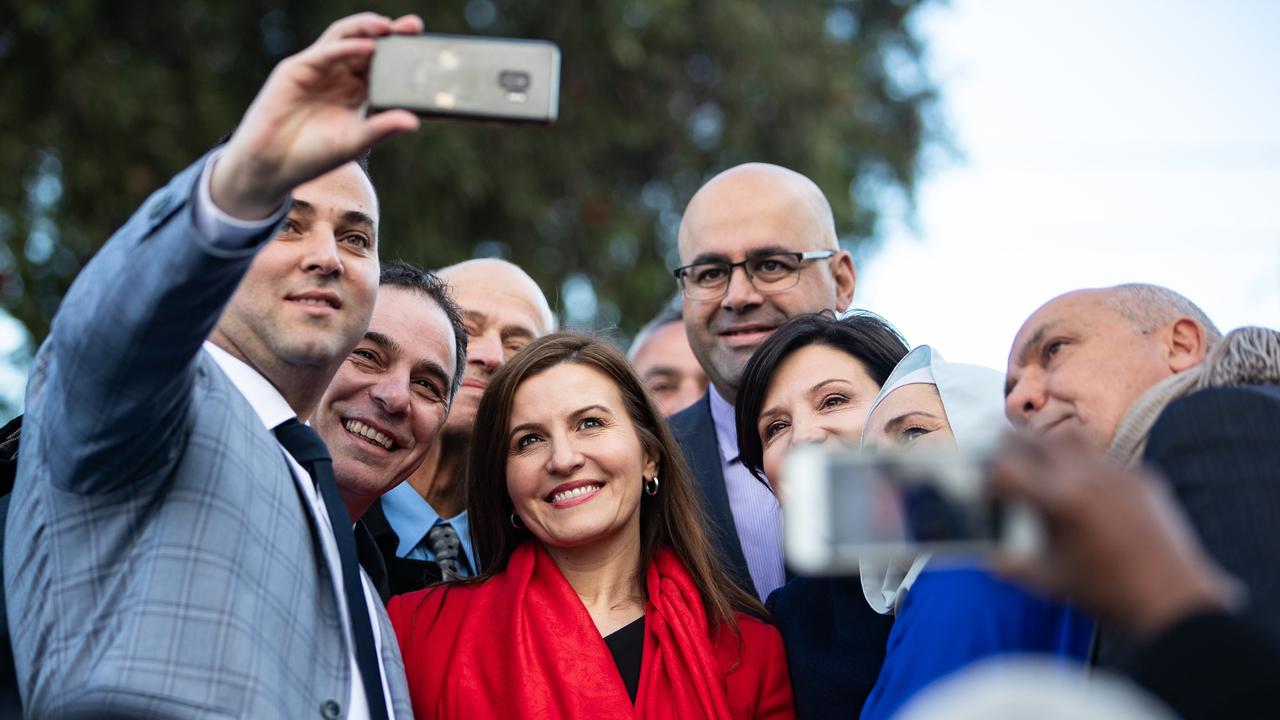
[302, 442]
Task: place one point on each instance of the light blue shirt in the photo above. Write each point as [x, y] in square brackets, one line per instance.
[756, 512]
[411, 517]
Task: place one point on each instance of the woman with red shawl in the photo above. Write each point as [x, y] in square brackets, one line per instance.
[599, 595]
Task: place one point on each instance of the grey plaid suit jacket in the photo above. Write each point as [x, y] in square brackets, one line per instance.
[159, 558]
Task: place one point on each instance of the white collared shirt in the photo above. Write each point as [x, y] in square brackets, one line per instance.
[221, 230]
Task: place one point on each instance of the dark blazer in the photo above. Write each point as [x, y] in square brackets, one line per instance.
[403, 574]
[1220, 451]
[1212, 666]
[370, 558]
[10, 701]
[835, 644]
[696, 433]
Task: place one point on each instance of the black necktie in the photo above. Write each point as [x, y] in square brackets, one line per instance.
[308, 449]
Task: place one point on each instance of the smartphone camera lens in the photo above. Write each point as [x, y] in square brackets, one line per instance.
[513, 81]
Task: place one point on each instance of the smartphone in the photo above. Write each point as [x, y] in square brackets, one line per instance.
[841, 505]
[479, 78]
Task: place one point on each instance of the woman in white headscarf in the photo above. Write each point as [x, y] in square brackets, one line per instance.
[949, 617]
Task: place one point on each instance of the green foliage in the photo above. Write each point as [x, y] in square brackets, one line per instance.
[102, 102]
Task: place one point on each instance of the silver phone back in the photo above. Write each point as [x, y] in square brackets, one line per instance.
[452, 75]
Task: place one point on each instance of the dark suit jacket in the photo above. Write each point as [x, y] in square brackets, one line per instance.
[403, 575]
[10, 701]
[696, 432]
[1220, 450]
[1212, 666]
[370, 558]
[835, 644]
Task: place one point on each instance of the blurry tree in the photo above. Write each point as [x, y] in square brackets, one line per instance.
[102, 102]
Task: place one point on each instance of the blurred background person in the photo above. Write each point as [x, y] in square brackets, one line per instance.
[946, 617]
[587, 527]
[810, 382]
[664, 360]
[421, 526]
[1141, 371]
[776, 226]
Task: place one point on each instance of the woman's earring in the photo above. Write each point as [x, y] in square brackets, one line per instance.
[516, 522]
[651, 485]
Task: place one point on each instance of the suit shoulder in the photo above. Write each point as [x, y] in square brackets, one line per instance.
[1220, 408]
[690, 417]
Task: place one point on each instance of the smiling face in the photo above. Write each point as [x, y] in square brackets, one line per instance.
[912, 415]
[575, 465]
[308, 295]
[503, 310]
[1077, 365]
[817, 393]
[389, 398]
[745, 212]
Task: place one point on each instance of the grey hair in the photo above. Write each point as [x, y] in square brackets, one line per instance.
[671, 312]
[1149, 307]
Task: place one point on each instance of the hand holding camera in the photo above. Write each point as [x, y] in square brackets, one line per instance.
[309, 118]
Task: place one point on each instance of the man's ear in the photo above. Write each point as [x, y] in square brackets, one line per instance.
[1185, 344]
[846, 276]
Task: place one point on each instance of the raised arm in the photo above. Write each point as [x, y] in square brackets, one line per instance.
[113, 381]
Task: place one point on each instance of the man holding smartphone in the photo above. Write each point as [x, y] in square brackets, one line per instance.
[176, 546]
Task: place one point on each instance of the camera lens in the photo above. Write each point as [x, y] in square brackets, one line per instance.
[513, 80]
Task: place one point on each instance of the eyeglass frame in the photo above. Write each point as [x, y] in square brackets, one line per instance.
[801, 258]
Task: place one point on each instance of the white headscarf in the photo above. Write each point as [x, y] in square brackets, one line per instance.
[973, 400]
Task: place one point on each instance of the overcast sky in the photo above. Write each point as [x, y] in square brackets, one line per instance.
[1102, 142]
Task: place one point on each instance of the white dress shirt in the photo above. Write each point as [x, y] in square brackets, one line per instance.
[223, 231]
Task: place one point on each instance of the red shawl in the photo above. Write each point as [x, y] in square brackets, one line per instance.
[522, 645]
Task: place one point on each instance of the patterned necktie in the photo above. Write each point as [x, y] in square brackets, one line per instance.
[305, 445]
[445, 545]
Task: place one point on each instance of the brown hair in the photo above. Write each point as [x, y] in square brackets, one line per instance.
[672, 519]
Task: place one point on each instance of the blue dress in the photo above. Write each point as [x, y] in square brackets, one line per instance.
[953, 617]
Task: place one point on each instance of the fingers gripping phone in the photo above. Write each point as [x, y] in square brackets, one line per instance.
[841, 505]
[467, 77]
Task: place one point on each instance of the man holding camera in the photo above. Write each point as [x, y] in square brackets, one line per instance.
[176, 545]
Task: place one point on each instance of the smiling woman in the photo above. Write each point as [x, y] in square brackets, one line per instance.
[599, 594]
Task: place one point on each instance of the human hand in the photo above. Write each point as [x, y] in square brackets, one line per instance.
[308, 119]
[1118, 544]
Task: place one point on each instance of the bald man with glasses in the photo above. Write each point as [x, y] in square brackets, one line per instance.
[775, 226]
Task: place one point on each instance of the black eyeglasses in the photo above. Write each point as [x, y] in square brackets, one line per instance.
[770, 273]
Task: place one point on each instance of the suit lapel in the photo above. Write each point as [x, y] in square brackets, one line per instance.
[696, 431]
[403, 574]
[370, 559]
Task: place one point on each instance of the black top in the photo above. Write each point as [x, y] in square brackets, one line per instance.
[626, 644]
[835, 644]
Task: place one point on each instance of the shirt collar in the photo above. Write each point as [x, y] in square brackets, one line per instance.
[722, 417]
[263, 397]
[410, 516]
